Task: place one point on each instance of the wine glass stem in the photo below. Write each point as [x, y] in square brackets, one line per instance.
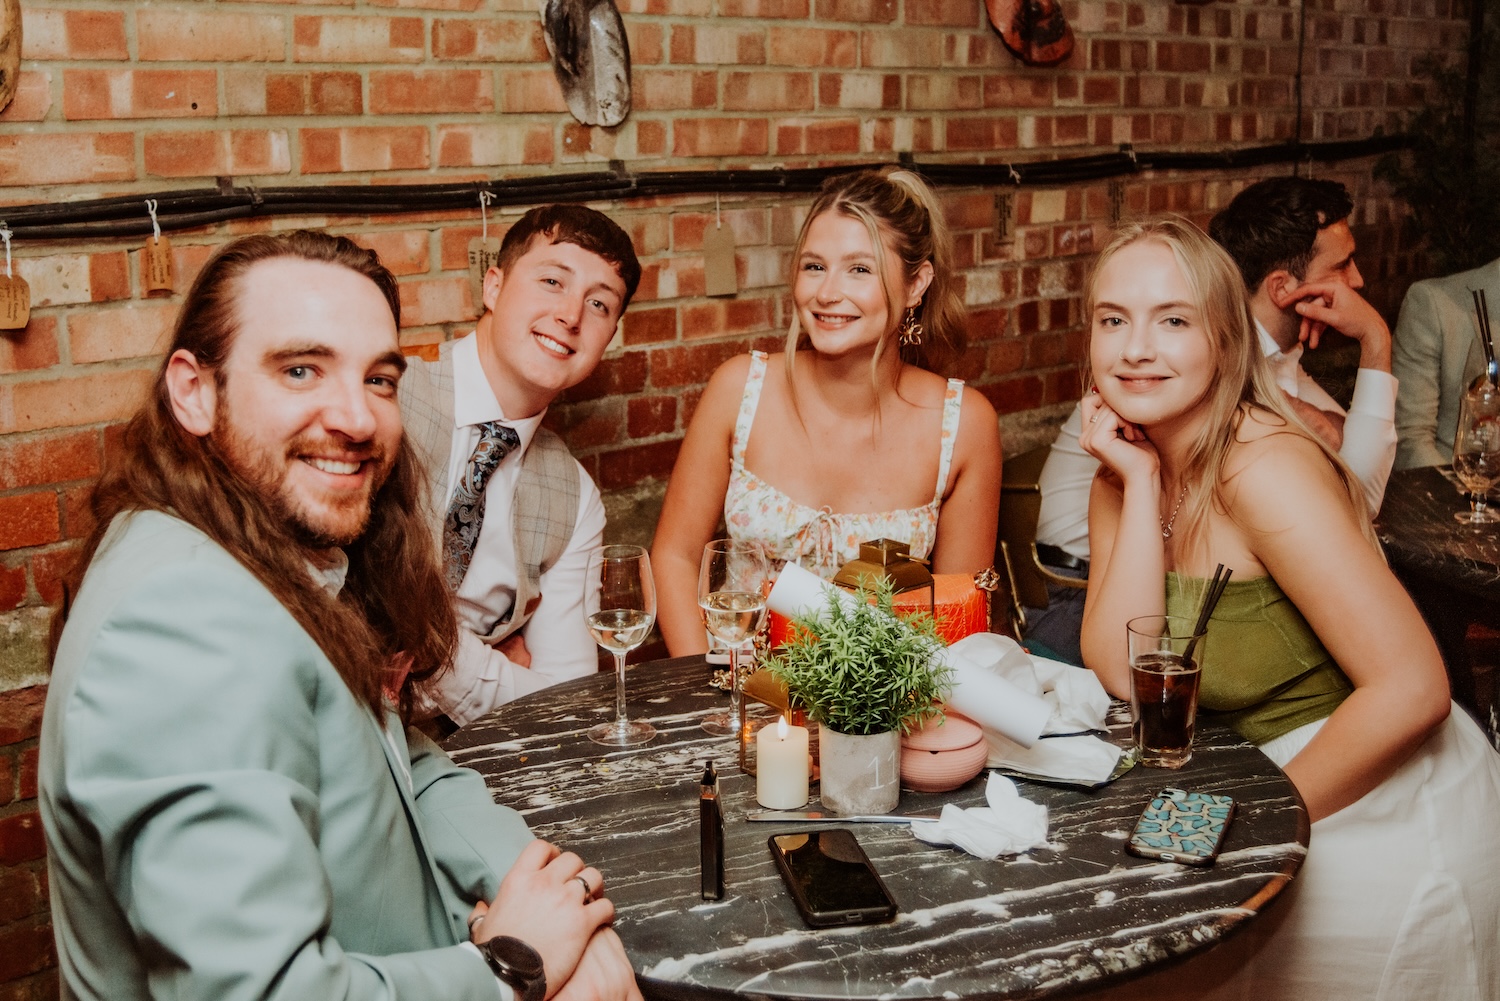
[736, 709]
[621, 717]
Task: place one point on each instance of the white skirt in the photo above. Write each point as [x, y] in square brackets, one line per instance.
[1399, 897]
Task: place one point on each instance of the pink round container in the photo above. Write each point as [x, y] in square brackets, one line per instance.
[942, 756]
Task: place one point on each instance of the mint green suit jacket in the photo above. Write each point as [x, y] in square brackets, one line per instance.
[225, 820]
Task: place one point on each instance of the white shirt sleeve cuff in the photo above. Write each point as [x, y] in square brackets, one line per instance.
[506, 994]
[1374, 394]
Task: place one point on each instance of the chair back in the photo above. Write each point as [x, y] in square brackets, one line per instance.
[1015, 545]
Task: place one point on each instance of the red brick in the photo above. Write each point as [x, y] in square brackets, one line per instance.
[764, 9]
[1183, 57]
[20, 841]
[88, 399]
[50, 567]
[531, 91]
[29, 520]
[33, 347]
[230, 152]
[1006, 91]
[905, 47]
[623, 373]
[720, 137]
[823, 48]
[437, 300]
[426, 92]
[650, 416]
[29, 760]
[136, 330]
[859, 90]
[108, 94]
[463, 5]
[74, 34]
[943, 92]
[491, 40]
[25, 950]
[56, 457]
[21, 713]
[650, 138]
[690, 364]
[188, 35]
[668, 90]
[496, 143]
[41, 159]
[32, 100]
[20, 895]
[716, 45]
[257, 92]
[628, 467]
[12, 593]
[771, 91]
[404, 252]
[588, 425]
[358, 39]
[952, 13]
[645, 42]
[77, 517]
[987, 133]
[109, 276]
[861, 11]
[362, 148]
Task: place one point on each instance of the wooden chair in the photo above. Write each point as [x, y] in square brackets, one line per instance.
[1015, 546]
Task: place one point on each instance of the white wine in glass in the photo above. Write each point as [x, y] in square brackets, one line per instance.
[732, 596]
[619, 605]
[1476, 452]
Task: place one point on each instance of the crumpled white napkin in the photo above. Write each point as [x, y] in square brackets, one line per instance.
[1077, 700]
[1008, 826]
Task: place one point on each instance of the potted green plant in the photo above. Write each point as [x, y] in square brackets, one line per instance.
[865, 674]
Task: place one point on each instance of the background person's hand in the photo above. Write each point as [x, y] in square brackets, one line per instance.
[542, 903]
[1334, 304]
[603, 974]
[1326, 425]
[513, 648]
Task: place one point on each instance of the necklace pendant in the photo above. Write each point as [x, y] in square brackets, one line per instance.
[1166, 531]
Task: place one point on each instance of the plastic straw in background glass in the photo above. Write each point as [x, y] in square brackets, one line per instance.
[1491, 373]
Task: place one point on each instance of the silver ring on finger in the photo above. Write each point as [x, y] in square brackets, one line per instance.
[588, 891]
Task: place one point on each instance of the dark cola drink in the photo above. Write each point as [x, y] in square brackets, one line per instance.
[1164, 699]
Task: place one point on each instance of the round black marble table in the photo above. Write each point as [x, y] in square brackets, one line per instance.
[1076, 913]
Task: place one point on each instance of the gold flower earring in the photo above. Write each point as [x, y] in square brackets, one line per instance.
[911, 329]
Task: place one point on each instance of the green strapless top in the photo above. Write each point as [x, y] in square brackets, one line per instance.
[1264, 669]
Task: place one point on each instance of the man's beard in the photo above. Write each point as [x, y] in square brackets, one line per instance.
[338, 522]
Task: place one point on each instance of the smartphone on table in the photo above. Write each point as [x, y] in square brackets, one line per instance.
[831, 879]
[1180, 826]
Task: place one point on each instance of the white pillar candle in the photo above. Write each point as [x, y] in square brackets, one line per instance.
[782, 766]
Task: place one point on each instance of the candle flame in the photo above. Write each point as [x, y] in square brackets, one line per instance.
[781, 728]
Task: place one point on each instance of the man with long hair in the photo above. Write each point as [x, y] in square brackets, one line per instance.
[516, 516]
[232, 804]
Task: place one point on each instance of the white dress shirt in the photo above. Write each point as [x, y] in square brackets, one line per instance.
[556, 637]
[1369, 448]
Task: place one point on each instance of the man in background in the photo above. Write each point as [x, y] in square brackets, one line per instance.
[1437, 355]
[517, 516]
[232, 805]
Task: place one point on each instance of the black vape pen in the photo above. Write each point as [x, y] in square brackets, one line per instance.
[711, 834]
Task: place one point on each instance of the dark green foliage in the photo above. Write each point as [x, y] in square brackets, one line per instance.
[865, 670]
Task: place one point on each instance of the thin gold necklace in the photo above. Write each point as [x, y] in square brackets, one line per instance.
[1166, 528]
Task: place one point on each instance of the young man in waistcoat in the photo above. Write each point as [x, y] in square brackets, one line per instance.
[516, 515]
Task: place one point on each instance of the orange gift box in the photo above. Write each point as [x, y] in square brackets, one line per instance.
[962, 609]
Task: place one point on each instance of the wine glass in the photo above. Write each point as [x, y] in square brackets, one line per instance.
[619, 603]
[1476, 451]
[732, 595]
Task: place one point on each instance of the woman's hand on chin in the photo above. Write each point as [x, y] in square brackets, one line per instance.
[1121, 446]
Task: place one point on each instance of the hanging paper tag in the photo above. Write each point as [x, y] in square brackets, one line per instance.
[719, 277]
[15, 303]
[156, 265]
[483, 254]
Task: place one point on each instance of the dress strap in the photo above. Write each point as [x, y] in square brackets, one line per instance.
[753, 383]
[953, 402]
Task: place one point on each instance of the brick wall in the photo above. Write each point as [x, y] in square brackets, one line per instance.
[121, 98]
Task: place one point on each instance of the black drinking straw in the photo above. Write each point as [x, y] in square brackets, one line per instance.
[1210, 599]
[1482, 314]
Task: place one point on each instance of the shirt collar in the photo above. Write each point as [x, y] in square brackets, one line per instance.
[474, 401]
[331, 578]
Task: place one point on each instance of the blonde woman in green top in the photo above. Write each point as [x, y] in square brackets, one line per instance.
[1315, 653]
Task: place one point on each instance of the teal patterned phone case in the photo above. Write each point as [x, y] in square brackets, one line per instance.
[1181, 826]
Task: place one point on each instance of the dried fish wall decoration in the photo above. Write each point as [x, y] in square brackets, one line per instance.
[10, 50]
[1035, 31]
[591, 58]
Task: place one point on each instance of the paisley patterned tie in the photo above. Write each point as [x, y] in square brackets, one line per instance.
[466, 512]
